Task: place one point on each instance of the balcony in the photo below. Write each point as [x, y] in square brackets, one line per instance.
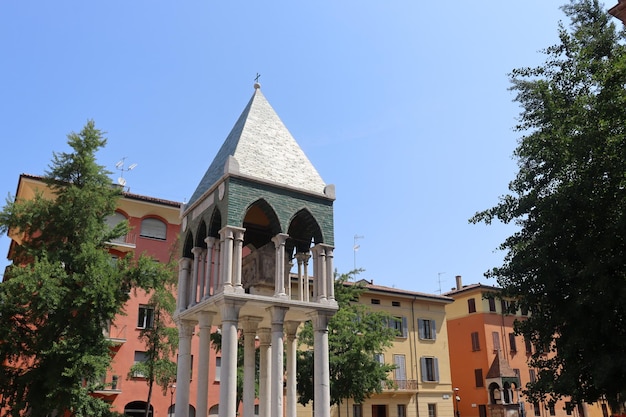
[401, 385]
[125, 243]
[115, 335]
[110, 385]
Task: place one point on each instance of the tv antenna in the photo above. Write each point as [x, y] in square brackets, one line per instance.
[356, 247]
[439, 274]
[122, 168]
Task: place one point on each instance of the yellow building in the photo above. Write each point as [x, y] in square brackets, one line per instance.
[422, 379]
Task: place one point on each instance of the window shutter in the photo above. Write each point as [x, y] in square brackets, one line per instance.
[153, 228]
[421, 328]
[433, 330]
[404, 327]
[423, 369]
[436, 366]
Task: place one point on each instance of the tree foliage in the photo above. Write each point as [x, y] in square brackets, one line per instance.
[567, 262]
[355, 335]
[62, 288]
[159, 335]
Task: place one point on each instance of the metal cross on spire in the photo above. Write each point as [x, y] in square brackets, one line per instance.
[256, 79]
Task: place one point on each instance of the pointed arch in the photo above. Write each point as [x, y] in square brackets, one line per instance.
[303, 229]
[188, 246]
[261, 224]
[215, 224]
[201, 233]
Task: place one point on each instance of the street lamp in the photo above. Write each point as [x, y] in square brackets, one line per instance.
[456, 402]
[172, 389]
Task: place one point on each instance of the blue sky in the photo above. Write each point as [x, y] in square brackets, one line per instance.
[402, 104]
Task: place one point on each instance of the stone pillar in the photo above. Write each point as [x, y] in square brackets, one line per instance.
[321, 371]
[227, 259]
[249, 326]
[279, 278]
[228, 376]
[202, 276]
[197, 267]
[319, 262]
[288, 266]
[184, 266]
[208, 276]
[205, 320]
[183, 373]
[291, 329]
[237, 256]
[217, 264]
[278, 317]
[330, 274]
[265, 370]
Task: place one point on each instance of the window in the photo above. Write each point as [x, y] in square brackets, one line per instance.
[112, 221]
[504, 306]
[532, 375]
[145, 318]
[568, 408]
[400, 372]
[256, 409]
[357, 410]
[478, 377]
[492, 304]
[432, 410]
[153, 228]
[430, 369]
[375, 301]
[537, 409]
[496, 340]
[139, 358]
[427, 329]
[379, 357]
[475, 341]
[401, 410]
[551, 409]
[218, 368]
[529, 346]
[482, 410]
[400, 324]
[512, 342]
[395, 303]
[471, 305]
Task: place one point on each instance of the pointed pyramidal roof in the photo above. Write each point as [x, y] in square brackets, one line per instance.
[259, 146]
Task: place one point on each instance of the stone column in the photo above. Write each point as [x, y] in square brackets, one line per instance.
[291, 328]
[330, 274]
[288, 266]
[228, 376]
[319, 257]
[279, 278]
[278, 317]
[249, 326]
[227, 259]
[208, 276]
[217, 264]
[202, 276]
[197, 267]
[321, 371]
[237, 256]
[183, 373]
[265, 370]
[184, 266]
[205, 320]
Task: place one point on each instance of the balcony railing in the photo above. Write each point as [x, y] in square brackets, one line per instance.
[116, 335]
[128, 241]
[401, 385]
[110, 385]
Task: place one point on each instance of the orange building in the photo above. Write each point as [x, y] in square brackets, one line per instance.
[155, 226]
[489, 363]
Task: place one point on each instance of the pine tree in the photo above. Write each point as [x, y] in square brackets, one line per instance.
[62, 288]
[567, 263]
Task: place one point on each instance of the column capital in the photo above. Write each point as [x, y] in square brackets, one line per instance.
[278, 314]
[205, 319]
[184, 263]
[303, 257]
[280, 239]
[291, 329]
[210, 241]
[197, 250]
[265, 336]
[186, 328]
[249, 324]
[230, 310]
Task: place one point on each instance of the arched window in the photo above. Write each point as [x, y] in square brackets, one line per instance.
[113, 220]
[153, 228]
[137, 409]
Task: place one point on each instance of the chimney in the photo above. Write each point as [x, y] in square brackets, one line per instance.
[459, 283]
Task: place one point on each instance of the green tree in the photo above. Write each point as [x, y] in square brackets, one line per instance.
[62, 288]
[567, 262]
[159, 335]
[355, 335]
